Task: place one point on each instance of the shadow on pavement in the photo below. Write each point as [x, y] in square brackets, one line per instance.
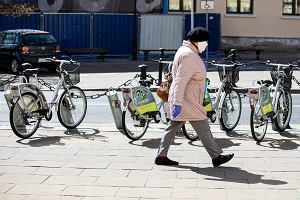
[238, 135]
[283, 144]
[42, 141]
[222, 142]
[288, 134]
[57, 140]
[85, 133]
[232, 174]
[151, 144]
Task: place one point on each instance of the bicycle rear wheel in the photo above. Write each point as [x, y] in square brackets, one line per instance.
[72, 107]
[230, 110]
[258, 123]
[284, 110]
[25, 125]
[189, 132]
[133, 124]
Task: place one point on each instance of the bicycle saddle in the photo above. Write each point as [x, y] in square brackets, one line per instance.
[30, 71]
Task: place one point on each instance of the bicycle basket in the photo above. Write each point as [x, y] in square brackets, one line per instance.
[232, 74]
[285, 75]
[73, 76]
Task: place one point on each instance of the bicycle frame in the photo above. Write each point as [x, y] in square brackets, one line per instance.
[278, 87]
[18, 89]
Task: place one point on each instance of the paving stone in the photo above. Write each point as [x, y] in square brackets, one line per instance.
[91, 191]
[12, 197]
[159, 193]
[37, 189]
[17, 170]
[19, 178]
[196, 193]
[254, 194]
[57, 171]
[168, 182]
[70, 180]
[105, 173]
[130, 166]
[87, 165]
[40, 197]
[41, 164]
[122, 182]
[4, 187]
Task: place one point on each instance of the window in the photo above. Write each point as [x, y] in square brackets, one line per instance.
[291, 7]
[39, 39]
[180, 5]
[239, 6]
[9, 39]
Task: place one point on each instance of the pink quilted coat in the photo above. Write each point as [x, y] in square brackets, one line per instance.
[187, 88]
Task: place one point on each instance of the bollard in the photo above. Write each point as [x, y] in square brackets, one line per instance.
[160, 67]
[115, 106]
[143, 74]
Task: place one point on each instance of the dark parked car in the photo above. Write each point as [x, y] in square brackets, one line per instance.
[27, 46]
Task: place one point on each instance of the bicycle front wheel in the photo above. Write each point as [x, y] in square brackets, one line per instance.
[258, 123]
[133, 124]
[24, 124]
[231, 109]
[189, 132]
[72, 107]
[284, 110]
[163, 112]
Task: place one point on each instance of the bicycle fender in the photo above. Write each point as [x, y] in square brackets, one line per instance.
[60, 93]
[223, 94]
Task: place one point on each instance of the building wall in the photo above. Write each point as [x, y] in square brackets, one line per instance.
[265, 27]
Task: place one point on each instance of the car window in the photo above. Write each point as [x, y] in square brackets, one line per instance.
[1, 38]
[9, 39]
[39, 39]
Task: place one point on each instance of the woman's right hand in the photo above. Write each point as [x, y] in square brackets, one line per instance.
[176, 111]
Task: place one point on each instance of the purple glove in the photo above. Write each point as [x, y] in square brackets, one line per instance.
[176, 111]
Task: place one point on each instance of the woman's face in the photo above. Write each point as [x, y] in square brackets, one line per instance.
[202, 46]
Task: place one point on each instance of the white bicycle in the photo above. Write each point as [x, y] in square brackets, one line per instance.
[29, 105]
[226, 102]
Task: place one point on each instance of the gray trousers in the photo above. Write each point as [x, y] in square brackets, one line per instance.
[202, 129]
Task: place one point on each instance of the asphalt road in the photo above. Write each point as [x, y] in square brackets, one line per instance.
[99, 110]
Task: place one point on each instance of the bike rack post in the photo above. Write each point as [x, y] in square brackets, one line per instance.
[115, 106]
[143, 74]
[160, 65]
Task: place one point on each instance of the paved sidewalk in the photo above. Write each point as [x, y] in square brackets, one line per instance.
[98, 162]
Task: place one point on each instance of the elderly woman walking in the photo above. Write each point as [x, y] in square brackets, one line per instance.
[185, 99]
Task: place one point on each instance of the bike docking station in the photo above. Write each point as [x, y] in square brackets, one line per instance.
[115, 106]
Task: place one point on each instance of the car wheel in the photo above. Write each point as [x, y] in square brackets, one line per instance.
[14, 66]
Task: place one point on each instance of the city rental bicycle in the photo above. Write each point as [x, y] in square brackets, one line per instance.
[271, 106]
[226, 104]
[30, 105]
[140, 106]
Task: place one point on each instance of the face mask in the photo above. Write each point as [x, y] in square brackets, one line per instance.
[202, 46]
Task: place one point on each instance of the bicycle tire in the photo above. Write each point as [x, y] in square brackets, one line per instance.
[67, 118]
[189, 132]
[16, 114]
[258, 123]
[224, 111]
[282, 122]
[133, 123]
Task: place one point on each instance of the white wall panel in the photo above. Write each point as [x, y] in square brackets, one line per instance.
[161, 31]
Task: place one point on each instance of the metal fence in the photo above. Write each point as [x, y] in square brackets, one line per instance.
[114, 32]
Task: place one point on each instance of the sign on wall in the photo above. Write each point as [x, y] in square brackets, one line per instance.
[207, 5]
